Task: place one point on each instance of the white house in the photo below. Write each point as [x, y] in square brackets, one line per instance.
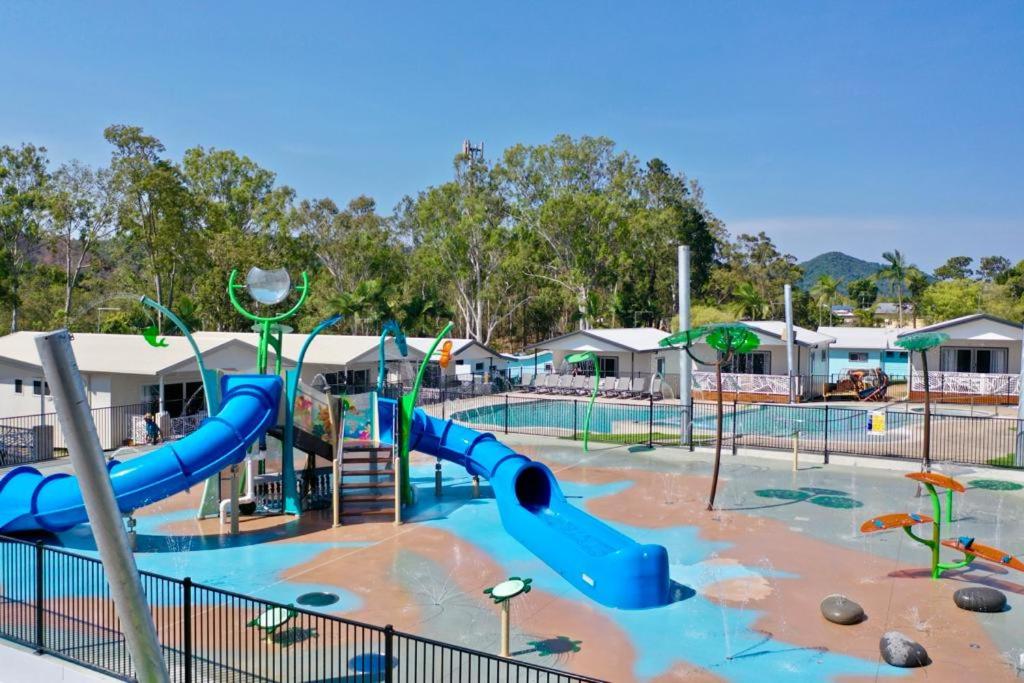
[124, 370]
[865, 348]
[760, 375]
[980, 363]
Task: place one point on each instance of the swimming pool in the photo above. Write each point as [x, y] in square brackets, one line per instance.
[611, 417]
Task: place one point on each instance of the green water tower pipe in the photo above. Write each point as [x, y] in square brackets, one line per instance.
[292, 504]
[406, 405]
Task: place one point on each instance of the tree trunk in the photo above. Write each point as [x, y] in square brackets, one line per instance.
[718, 434]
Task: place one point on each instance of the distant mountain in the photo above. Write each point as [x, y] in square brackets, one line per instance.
[839, 265]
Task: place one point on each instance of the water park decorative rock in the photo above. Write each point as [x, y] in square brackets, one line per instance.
[839, 609]
[980, 599]
[899, 650]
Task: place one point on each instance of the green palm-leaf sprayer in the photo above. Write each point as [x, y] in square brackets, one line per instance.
[601, 562]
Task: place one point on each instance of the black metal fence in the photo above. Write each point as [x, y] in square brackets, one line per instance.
[824, 428]
[58, 603]
[35, 438]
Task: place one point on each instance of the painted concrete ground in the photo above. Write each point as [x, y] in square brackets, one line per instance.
[751, 573]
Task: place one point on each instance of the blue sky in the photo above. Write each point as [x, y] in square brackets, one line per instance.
[857, 126]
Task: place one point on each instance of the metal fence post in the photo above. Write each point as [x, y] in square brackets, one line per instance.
[40, 554]
[186, 613]
[444, 401]
[650, 423]
[689, 437]
[389, 653]
[734, 402]
[826, 433]
[574, 419]
[506, 413]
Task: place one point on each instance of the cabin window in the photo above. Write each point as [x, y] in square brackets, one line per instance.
[753, 363]
[608, 365]
[18, 386]
[40, 387]
[977, 360]
[858, 356]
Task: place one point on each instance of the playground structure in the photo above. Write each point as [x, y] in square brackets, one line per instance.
[371, 431]
[867, 385]
[968, 546]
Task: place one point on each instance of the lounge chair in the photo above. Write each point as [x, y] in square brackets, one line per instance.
[621, 388]
[657, 393]
[605, 385]
[542, 383]
[636, 388]
[526, 382]
[581, 385]
[564, 385]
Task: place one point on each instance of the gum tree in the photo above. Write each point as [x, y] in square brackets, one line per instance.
[922, 342]
[728, 340]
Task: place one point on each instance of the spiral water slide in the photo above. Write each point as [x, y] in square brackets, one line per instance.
[30, 500]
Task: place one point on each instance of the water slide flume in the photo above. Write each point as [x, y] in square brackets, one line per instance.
[604, 564]
[31, 501]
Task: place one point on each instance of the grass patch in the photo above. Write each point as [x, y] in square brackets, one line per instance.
[629, 439]
[1008, 460]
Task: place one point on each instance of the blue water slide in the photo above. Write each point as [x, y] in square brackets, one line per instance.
[602, 563]
[30, 500]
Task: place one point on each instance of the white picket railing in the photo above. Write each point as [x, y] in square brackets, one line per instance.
[971, 383]
[747, 384]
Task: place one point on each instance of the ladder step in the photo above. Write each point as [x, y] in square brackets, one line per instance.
[373, 459]
[364, 447]
[367, 499]
[367, 513]
[367, 473]
[370, 485]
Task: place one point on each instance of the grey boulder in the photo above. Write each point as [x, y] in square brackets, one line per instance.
[840, 609]
[898, 650]
[980, 599]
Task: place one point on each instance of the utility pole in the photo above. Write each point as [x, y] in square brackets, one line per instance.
[685, 368]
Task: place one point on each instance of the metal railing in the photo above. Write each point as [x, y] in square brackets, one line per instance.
[36, 438]
[58, 603]
[823, 428]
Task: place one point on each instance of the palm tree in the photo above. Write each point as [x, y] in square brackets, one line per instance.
[895, 273]
[864, 317]
[825, 291]
[749, 304]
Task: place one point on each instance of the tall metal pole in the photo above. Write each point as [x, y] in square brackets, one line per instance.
[790, 363]
[685, 368]
[1019, 460]
[69, 399]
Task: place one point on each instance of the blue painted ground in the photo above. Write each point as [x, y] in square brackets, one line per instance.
[694, 630]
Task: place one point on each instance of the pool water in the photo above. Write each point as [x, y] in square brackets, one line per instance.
[754, 419]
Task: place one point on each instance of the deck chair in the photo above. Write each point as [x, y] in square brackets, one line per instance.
[564, 384]
[605, 385]
[547, 384]
[657, 393]
[580, 385]
[636, 388]
[526, 382]
[621, 388]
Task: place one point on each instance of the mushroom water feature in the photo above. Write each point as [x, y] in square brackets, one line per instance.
[923, 342]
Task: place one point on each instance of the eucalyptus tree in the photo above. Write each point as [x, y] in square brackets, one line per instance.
[81, 213]
[23, 181]
[155, 211]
